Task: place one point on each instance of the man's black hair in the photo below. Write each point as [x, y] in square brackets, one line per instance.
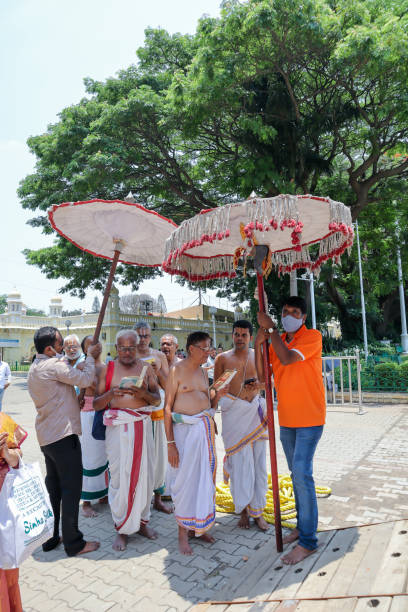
[84, 340]
[45, 336]
[243, 324]
[195, 337]
[296, 302]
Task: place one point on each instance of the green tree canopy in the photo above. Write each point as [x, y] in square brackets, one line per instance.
[274, 95]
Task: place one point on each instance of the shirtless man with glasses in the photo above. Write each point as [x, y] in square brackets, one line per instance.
[190, 435]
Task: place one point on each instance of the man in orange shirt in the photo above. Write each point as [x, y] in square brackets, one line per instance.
[296, 360]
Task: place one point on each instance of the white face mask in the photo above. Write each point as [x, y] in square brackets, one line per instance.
[57, 355]
[291, 324]
[72, 355]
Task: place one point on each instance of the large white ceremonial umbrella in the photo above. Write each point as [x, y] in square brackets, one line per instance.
[286, 232]
[113, 229]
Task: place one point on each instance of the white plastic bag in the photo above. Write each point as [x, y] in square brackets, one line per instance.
[26, 517]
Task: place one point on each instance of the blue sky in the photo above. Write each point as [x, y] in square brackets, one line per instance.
[47, 47]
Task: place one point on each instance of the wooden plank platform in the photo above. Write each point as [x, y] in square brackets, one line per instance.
[353, 569]
[398, 603]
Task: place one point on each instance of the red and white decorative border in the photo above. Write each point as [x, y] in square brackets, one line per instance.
[264, 214]
[55, 207]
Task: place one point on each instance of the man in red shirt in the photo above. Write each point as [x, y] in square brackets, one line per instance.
[296, 360]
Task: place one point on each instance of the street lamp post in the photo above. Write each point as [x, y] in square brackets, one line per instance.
[68, 324]
[212, 310]
[310, 279]
[312, 300]
[404, 335]
[363, 312]
[293, 288]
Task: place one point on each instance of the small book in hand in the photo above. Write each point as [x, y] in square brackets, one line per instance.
[133, 381]
[223, 380]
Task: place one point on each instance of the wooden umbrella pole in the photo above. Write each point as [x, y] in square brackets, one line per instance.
[106, 296]
[271, 424]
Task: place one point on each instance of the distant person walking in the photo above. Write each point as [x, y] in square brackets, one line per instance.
[51, 384]
[5, 378]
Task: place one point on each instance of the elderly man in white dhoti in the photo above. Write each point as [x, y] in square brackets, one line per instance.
[190, 431]
[244, 428]
[129, 438]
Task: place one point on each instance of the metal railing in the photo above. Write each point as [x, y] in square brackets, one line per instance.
[338, 385]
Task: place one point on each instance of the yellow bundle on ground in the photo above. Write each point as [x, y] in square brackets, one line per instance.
[224, 502]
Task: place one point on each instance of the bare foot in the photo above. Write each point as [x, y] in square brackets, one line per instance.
[184, 546]
[243, 522]
[262, 524]
[103, 500]
[147, 531]
[206, 537]
[297, 554]
[291, 537]
[120, 542]
[89, 547]
[88, 511]
[160, 506]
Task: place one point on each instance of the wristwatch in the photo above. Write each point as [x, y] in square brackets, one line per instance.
[270, 329]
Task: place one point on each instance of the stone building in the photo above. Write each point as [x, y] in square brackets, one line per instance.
[17, 329]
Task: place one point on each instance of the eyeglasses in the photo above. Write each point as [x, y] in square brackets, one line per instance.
[144, 335]
[124, 349]
[205, 349]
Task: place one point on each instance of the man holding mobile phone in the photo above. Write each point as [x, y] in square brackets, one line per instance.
[244, 429]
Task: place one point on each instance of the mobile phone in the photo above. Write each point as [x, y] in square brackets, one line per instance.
[248, 381]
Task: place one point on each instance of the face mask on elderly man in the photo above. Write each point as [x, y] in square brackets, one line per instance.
[291, 324]
[72, 351]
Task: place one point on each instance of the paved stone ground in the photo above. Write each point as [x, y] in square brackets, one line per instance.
[363, 458]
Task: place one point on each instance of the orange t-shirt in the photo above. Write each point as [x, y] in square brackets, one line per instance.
[299, 385]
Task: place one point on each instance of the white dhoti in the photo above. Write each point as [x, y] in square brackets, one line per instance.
[193, 482]
[244, 434]
[160, 447]
[130, 449]
[95, 473]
